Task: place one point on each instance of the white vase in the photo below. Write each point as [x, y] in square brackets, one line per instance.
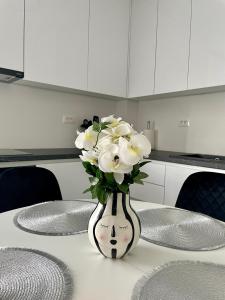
[114, 228]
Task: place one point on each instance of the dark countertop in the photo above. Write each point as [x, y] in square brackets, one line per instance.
[19, 155]
[24, 155]
[174, 157]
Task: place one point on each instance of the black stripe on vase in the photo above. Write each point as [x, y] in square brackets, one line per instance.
[114, 253]
[97, 219]
[114, 204]
[128, 217]
[135, 213]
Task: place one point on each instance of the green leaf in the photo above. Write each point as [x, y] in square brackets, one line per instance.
[123, 187]
[93, 180]
[104, 125]
[99, 174]
[87, 190]
[101, 193]
[89, 168]
[93, 192]
[109, 178]
[139, 181]
[96, 126]
[144, 163]
[143, 175]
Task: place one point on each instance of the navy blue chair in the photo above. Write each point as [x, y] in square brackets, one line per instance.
[204, 192]
[24, 186]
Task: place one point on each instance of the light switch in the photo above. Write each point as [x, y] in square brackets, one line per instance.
[184, 123]
[68, 119]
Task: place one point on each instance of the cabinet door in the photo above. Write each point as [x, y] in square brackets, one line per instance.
[108, 46]
[207, 48]
[72, 179]
[11, 34]
[142, 47]
[175, 177]
[173, 35]
[56, 42]
[147, 192]
[156, 173]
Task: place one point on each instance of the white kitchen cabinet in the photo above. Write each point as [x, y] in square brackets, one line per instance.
[72, 179]
[108, 46]
[56, 42]
[147, 192]
[142, 47]
[11, 34]
[153, 188]
[176, 174]
[156, 173]
[207, 47]
[172, 54]
[175, 177]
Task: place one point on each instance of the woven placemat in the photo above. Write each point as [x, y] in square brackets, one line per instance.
[181, 229]
[32, 274]
[56, 217]
[182, 280]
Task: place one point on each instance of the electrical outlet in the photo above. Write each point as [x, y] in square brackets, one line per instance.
[68, 119]
[184, 123]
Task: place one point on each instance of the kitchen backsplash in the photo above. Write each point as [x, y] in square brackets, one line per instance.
[206, 114]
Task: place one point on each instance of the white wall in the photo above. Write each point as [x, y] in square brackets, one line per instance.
[207, 118]
[128, 110]
[32, 117]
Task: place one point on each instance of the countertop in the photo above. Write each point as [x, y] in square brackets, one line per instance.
[31, 155]
[174, 157]
[21, 155]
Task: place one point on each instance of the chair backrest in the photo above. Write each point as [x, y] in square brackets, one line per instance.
[204, 192]
[24, 186]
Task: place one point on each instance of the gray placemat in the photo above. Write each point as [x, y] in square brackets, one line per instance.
[32, 274]
[181, 229]
[56, 217]
[182, 280]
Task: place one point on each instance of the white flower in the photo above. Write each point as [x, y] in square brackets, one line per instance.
[86, 140]
[104, 142]
[109, 162]
[131, 152]
[122, 129]
[110, 119]
[90, 156]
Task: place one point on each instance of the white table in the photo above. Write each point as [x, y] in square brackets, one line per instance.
[96, 277]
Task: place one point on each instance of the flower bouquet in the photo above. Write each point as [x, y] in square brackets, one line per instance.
[112, 154]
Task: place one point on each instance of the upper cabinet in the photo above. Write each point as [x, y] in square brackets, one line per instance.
[173, 36]
[108, 46]
[207, 48]
[123, 48]
[56, 42]
[11, 34]
[142, 47]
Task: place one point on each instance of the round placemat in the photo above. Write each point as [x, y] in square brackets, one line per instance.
[183, 280]
[56, 217]
[32, 274]
[181, 229]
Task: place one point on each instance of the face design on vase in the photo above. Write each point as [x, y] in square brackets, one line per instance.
[113, 233]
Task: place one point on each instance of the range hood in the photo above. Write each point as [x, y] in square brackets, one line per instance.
[8, 76]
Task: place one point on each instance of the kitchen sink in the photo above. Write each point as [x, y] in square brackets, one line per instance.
[196, 156]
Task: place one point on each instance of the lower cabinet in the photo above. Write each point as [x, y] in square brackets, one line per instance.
[175, 177]
[147, 192]
[162, 186]
[176, 174]
[72, 179]
[153, 188]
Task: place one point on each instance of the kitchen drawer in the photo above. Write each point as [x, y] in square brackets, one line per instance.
[147, 192]
[156, 173]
